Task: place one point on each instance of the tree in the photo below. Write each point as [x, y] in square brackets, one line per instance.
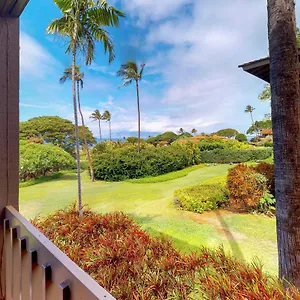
[107, 116]
[79, 81]
[241, 137]
[194, 131]
[97, 116]
[227, 132]
[181, 131]
[259, 125]
[168, 136]
[265, 95]
[284, 79]
[129, 73]
[81, 24]
[249, 109]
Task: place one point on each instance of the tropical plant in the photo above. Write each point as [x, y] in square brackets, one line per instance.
[97, 116]
[249, 109]
[241, 137]
[130, 72]
[194, 131]
[107, 117]
[81, 24]
[79, 81]
[181, 131]
[285, 90]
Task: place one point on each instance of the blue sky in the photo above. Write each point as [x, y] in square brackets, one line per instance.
[191, 49]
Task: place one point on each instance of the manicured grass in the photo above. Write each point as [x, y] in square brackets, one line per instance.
[166, 177]
[151, 204]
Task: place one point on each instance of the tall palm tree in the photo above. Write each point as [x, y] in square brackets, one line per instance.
[107, 116]
[79, 80]
[81, 25]
[130, 72]
[97, 116]
[284, 78]
[194, 131]
[250, 109]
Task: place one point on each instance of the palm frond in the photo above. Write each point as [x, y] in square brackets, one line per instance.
[126, 83]
[141, 71]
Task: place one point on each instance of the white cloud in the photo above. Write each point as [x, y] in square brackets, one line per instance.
[101, 69]
[35, 60]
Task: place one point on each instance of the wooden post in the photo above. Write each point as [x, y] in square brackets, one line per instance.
[9, 125]
[9, 112]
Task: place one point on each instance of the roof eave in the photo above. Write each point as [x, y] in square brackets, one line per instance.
[12, 8]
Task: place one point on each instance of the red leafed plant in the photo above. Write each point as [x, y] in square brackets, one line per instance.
[131, 264]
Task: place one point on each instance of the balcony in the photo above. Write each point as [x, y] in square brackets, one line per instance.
[36, 269]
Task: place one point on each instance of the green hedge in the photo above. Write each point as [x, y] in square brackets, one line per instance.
[206, 196]
[235, 155]
[127, 163]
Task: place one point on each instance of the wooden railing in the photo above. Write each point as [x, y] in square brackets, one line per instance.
[35, 269]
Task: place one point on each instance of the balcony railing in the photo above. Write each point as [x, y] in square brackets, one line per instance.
[35, 269]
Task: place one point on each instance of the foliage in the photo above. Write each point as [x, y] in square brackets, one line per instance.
[267, 169]
[203, 197]
[125, 163]
[166, 177]
[132, 140]
[227, 132]
[226, 156]
[268, 144]
[266, 204]
[265, 95]
[39, 159]
[246, 187]
[259, 125]
[168, 136]
[40, 179]
[241, 137]
[185, 135]
[54, 130]
[213, 143]
[131, 264]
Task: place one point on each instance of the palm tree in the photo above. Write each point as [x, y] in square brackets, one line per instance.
[79, 80]
[284, 79]
[107, 116]
[97, 116]
[194, 131]
[249, 109]
[130, 72]
[81, 25]
[181, 131]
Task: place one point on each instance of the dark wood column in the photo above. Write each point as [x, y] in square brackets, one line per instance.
[9, 112]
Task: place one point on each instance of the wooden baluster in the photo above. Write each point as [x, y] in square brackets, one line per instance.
[16, 267]
[8, 260]
[38, 287]
[25, 270]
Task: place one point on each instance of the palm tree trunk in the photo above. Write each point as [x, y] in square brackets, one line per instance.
[284, 76]
[84, 136]
[252, 119]
[100, 133]
[80, 210]
[139, 116]
[109, 129]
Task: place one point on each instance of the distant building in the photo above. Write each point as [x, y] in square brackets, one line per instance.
[266, 132]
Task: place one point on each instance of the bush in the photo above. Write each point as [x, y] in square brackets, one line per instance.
[39, 159]
[266, 205]
[241, 137]
[213, 143]
[246, 187]
[131, 264]
[203, 197]
[268, 144]
[268, 171]
[127, 163]
[235, 155]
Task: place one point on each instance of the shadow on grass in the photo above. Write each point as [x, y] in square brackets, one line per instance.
[177, 243]
[236, 251]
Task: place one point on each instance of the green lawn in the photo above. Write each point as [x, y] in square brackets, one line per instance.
[151, 204]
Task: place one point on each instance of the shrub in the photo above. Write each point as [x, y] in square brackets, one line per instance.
[268, 144]
[267, 170]
[203, 197]
[246, 187]
[213, 143]
[131, 264]
[39, 159]
[235, 155]
[241, 137]
[266, 204]
[127, 163]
